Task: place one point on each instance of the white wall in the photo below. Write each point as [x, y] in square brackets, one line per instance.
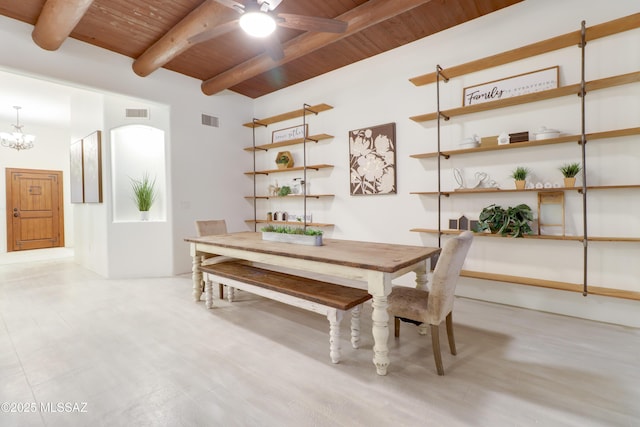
[377, 91]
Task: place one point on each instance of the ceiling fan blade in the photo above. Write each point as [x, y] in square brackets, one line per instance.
[311, 23]
[214, 32]
[273, 47]
[271, 4]
[237, 6]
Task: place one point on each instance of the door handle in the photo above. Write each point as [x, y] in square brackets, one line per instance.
[16, 214]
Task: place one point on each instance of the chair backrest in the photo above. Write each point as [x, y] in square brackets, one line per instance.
[445, 277]
[211, 227]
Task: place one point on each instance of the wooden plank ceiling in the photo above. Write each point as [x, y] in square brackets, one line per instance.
[233, 60]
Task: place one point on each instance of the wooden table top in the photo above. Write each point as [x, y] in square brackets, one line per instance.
[383, 257]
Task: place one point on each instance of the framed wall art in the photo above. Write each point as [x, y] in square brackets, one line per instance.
[75, 172]
[372, 160]
[92, 167]
[288, 134]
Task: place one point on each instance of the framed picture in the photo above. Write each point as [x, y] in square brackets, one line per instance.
[372, 160]
[75, 172]
[288, 134]
[522, 84]
[92, 167]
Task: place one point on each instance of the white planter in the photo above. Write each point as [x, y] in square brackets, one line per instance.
[144, 215]
[300, 239]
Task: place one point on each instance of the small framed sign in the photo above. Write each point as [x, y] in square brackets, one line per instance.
[288, 134]
[522, 84]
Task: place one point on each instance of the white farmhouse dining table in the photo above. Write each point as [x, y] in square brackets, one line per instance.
[374, 265]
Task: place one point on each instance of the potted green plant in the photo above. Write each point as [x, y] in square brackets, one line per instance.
[144, 194]
[520, 174]
[298, 235]
[284, 160]
[513, 221]
[285, 190]
[569, 171]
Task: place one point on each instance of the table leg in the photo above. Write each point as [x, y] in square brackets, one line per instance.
[380, 331]
[196, 276]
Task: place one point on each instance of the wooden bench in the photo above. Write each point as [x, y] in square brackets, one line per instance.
[329, 299]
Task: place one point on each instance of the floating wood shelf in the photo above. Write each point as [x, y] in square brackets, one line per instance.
[288, 116]
[532, 236]
[513, 190]
[551, 284]
[297, 168]
[563, 139]
[573, 89]
[267, 147]
[290, 196]
[566, 40]
[291, 223]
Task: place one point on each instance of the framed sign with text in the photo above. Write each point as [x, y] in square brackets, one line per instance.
[288, 134]
[522, 84]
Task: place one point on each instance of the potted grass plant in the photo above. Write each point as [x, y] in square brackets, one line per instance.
[298, 235]
[569, 171]
[520, 174]
[144, 194]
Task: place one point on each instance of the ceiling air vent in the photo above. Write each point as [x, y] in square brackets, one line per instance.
[137, 113]
[212, 121]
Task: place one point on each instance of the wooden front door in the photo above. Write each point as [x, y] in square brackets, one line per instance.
[35, 217]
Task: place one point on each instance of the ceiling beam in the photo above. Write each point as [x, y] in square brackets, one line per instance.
[358, 19]
[56, 21]
[205, 22]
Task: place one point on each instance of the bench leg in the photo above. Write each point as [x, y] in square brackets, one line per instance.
[230, 292]
[208, 292]
[355, 326]
[335, 317]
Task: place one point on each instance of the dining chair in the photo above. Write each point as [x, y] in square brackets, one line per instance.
[432, 306]
[211, 227]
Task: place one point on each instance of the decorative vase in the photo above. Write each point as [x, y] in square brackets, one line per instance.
[570, 182]
[520, 184]
[144, 215]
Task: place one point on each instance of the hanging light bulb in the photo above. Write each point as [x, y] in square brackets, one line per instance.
[257, 23]
[17, 139]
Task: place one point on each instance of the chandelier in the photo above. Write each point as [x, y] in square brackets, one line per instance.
[17, 139]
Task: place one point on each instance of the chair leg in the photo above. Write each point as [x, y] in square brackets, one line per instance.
[435, 342]
[452, 341]
[396, 324]
[221, 290]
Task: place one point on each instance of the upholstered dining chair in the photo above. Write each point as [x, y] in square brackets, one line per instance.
[212, 227]
[433, 306]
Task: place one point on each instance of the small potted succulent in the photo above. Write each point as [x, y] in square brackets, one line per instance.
[569, 171]
[284, 160]
[298, 235]
[520, 174]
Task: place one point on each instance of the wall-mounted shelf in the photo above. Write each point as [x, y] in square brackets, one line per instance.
[297, 168]
[551, 284]
[513, 190]
[573, 38]
[288, 115]
[533, 236]
[291, 223]
[563, 139]
[532, 97]
[291, 196]
[267, 147]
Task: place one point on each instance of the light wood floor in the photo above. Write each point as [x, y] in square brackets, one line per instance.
[142, 353]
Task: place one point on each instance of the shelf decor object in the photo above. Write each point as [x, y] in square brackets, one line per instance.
[294, 235]
[372, 160]
[522, 84]
[284, 160]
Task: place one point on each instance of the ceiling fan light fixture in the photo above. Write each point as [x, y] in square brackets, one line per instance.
[257, 24]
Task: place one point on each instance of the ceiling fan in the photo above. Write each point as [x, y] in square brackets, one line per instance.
[258, 19]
